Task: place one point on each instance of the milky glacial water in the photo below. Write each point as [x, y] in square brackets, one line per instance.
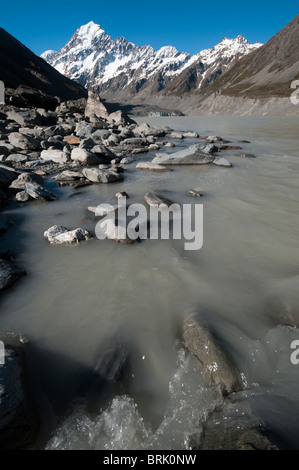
[244, 282]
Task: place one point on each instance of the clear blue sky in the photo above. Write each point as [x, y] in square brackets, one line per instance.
[189, 26]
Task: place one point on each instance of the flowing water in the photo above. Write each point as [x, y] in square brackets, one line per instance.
[244, 282]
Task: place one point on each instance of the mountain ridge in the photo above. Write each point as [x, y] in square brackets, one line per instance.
[118, 68]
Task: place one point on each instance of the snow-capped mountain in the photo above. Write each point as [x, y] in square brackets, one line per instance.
[121, 69]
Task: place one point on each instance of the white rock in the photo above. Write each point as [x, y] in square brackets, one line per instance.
[59, 235]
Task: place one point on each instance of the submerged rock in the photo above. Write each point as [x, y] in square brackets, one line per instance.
[19, 421]
[59, 235]
[9, 273]
[216, 368]
[151, 166]
[235, 428]
[155, 200]
[220, 161]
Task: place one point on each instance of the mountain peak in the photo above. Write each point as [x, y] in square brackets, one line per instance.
[89, 29]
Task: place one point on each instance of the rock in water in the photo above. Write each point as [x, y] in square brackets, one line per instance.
[108, 228]
[155, 200]
[19, 422]
[59, 235]
[97, 175]
[86, 157]
[190, 156]
[151, 166]
[235, 428]
[9, 273]
[23, 178]
[220, 161]
[39, 192]
[215, 365]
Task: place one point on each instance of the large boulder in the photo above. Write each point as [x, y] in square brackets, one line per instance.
[216, 367]
[98, 175]
[22, 141]
[95, 106]
[85, 157]
[23, 117]
[119, 118]
[54, 155]
[190, 156]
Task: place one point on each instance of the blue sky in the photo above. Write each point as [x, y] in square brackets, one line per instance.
[189, 26]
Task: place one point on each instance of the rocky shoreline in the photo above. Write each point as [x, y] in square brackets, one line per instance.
[78, 150]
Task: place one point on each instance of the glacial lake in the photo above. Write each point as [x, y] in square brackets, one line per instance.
[244, 282]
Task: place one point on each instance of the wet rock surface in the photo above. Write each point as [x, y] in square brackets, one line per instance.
[19, 421]
[216, 367]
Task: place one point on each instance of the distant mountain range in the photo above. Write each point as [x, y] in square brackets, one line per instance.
[121, 70]
[234, 77]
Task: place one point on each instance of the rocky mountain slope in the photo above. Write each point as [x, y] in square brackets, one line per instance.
[119, 69]
[28, 79]
[267, 71]
[259, 83]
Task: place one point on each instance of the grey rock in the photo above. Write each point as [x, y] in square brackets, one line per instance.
[23, 196]
[209, 148]
[102, 152]
[22, 141]
[17, 158]
[57, 156]
[216, 368]
[100, 134]
[23, 117]
[177, 135]
[190, 135]
[220, 161]
[98, 175]
[19, 421]
[235, 428]
[61, 235]
[85, 157]
[135, 142]
[7, 175]
[151, 166]
[9, 274]
[23, 178]
[156, 200]
[37, 191]
[194, 193]
[190, 156]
